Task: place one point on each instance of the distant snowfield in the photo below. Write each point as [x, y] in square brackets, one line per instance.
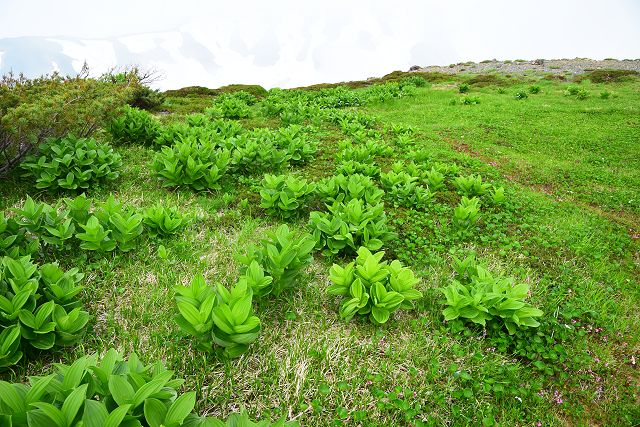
[183, 60]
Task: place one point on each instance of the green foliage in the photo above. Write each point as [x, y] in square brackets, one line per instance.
[521, 94]
[295, 143]
[403, 190]
[478, 297]
[134, 126]
[145, 98]
[534, 89]
[70, 163]
[571, 90]
[109, 393]
[32, 308]
[285, 195]
[198, 165]
[471, 185]
[55, 106]
[373, 287]
[352, 167]
[163, 221]
[95, 237]
[234, 105]
[582, 94]
[282, 255]
[220, 319]
[467, 213]
[341, 188]
[463, 88]
[348, 226]
[470, 100]
[252, 155]
[497, 196]
[417, 81]
[435, 180]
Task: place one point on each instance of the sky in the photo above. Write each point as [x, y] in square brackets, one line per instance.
[283, 43]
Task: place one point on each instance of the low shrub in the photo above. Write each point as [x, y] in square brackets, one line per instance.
[145, 98]
[534, 89]
[293, 140]
[197, 165]
[221, 320]
[521, 95]
[467, 213]
[478, 297]
[471, 185]
[341, 188]
[163, 221]
[372, 287]
[606, 76]
[285, 195]
[253, 156]
[110, 392]
[39, 308]
[348, 226]
[231, 106]
[282, 255]
[134, 126]
[353, 167]
[54, 106]
[463, 88]
[470, 100]
[71, 163]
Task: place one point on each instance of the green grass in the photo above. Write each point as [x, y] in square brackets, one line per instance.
[570, 230]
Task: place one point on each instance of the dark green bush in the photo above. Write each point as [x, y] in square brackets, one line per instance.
[145, 98]
[606, 76]
[55, 106]
[134, 126]
[71, 163]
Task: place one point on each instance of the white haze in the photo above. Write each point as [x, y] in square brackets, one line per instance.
[293, 43]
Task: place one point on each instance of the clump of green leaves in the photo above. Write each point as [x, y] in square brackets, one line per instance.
[467, 213]
[39, 308]
[220, 319]
[163, 221]
[70, 163]
[15, 240]
[285, 195]
[233, 106]
[282, 255]
[348, 226]
[294, 141]
[521, 94]
[373, 287]
[352, 167]
[470, 100]
[435, 180]
[198, 165]
[341, 188]
[478, 297]
[534, 89]
[463, 88]
[471, 185]
[253, 155]
[134, 126]
[403, 189]
[111, 392]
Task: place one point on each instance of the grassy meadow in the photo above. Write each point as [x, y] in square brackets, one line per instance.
[568, 227]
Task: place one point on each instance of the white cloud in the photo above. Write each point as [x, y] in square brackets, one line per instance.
[287, 43]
